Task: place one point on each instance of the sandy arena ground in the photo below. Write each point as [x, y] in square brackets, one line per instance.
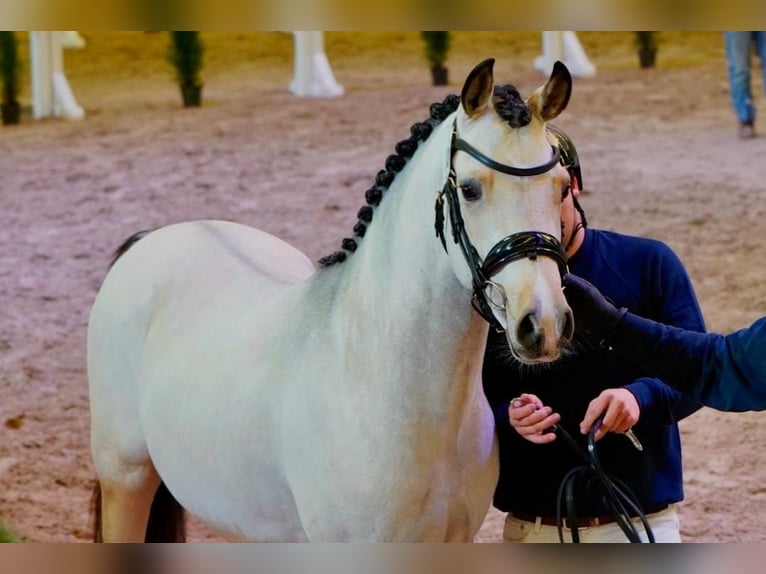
[660, 157]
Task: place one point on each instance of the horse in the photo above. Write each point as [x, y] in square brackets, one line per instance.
[275, 399]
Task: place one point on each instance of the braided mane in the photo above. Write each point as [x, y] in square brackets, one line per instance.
[508, 104]
[395, 163]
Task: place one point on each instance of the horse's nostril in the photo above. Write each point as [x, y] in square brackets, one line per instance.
[567, 332]
[528, 332]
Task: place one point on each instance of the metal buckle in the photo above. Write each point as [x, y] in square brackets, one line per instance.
[495, 295]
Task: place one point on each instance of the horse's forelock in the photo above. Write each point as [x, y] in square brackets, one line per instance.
[510, 106]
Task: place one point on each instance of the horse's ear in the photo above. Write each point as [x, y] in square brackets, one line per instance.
[477, 89]
[549, 100]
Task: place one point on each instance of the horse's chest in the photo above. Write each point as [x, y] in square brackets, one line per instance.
[409, 489]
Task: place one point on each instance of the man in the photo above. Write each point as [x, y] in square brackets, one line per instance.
[726, 372]
[644, 275]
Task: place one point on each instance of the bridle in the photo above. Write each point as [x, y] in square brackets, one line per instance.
[525, 244]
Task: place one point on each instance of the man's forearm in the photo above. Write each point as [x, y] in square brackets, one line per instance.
[676, 356]
[723, 372]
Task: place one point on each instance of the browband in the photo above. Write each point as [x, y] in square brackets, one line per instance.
[462, 145]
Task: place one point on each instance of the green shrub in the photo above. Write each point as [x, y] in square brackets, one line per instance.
[9, 66]
[186, 51]
[646, 41]
[646, 44]
[437, 46]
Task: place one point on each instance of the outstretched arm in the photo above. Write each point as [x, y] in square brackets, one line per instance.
[724, 372]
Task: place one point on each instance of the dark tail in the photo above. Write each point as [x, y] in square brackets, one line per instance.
[127, 244]
[167, 520]
[95, 513]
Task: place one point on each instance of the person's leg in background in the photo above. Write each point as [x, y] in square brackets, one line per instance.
[738, 47]
[760, 47]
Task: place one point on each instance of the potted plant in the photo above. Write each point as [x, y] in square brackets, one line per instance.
[437, 46]
[185, 54]
[10, 109]
[646, 43]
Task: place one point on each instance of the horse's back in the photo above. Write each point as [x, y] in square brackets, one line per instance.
[214, 245]
[195, 265]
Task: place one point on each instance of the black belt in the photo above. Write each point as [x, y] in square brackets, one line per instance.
[582, 521]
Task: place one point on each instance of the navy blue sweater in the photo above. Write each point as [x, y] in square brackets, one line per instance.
[726, 372]
[645, 276]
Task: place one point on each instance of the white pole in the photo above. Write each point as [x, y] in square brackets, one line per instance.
[51, 93]
[65, 103]
[566, 47]
[40, 69]
[71, 39]
[575, 57]
[553, 49]
[313, 75]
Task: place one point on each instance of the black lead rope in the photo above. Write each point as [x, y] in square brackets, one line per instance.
[615, 494]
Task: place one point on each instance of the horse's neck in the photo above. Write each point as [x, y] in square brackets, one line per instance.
[401, 295]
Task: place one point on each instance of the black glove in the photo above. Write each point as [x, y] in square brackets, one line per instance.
[595, 316]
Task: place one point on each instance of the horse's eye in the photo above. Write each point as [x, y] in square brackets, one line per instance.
[565, 191]
[471, 191]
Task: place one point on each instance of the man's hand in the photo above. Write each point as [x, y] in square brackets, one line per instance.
[530, 418]
[595, 317]
[620, 409]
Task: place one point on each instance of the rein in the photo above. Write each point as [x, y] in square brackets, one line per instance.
[616, 496]
[522, 245]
